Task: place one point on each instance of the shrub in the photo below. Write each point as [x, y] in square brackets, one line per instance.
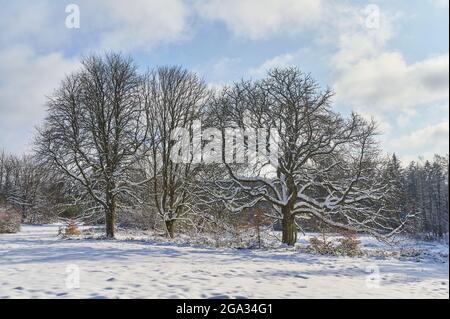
[348, 245]
[345, 246]
[321, 246]
[72, 230]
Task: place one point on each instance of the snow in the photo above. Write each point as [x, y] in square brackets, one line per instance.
[35, 263]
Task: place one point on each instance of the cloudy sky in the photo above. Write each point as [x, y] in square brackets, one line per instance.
[384, 59]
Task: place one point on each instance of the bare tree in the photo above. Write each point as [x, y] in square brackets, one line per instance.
[175, 98]
[95, 128]
[326, 165]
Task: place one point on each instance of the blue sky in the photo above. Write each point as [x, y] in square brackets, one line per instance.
[384, 59]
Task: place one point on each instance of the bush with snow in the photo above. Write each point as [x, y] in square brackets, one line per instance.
[348, 245]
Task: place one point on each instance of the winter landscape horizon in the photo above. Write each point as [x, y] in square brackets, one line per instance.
[239, 150]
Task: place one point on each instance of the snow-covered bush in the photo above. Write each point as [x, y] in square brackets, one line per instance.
[9, 218]
[348, 246]
[345, 246]
[321, 246]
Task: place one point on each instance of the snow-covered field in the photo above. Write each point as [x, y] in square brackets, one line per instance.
[35, 263]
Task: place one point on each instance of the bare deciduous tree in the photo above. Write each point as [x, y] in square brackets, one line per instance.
[327, 165]
[95, 128]
[175, 98]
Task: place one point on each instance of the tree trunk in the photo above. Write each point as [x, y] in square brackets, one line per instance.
[170, 226]
[110, 224]
[289, 228]
[110, 218]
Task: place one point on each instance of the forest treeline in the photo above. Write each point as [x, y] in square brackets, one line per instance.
[104, 154]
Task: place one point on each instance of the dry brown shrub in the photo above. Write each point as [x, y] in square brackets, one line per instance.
[72, 230]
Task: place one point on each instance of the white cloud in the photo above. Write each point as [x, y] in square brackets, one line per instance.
[31, 64]
[104, 24]
[440, 3]
[280, 61]
[372, 78]
[138, 24]
[427, 141]
[257, 19]
[25, 79]
[34, 23]
[379, 82]
[387, 82]
[223, 69]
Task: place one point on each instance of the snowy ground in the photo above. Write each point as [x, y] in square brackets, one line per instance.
[37, 264]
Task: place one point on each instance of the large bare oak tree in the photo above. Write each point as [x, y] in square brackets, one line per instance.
[327, 166]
